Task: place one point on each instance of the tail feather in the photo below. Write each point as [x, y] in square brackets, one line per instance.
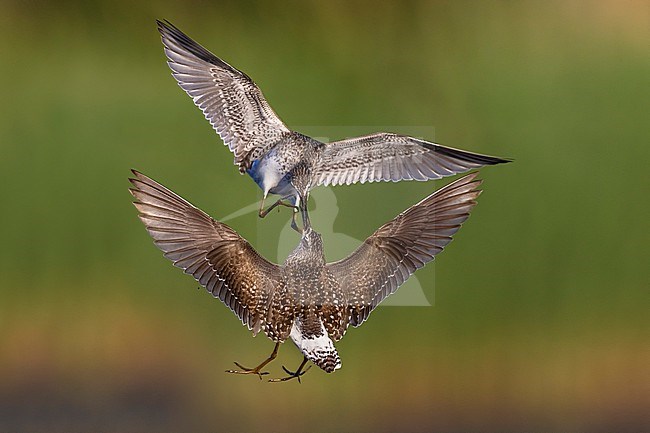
[316, 346]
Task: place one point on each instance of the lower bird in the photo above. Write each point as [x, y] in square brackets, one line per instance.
[306, 299]
[285, 162]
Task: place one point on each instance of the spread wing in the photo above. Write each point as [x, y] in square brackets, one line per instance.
[391, 157]
[400, 247]
[229, 99]
[213, 253]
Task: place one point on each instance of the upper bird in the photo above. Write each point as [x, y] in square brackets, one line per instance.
[305, 299]
[286, 162]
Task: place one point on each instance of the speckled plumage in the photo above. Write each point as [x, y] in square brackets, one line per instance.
[288, 163]
[305, 299]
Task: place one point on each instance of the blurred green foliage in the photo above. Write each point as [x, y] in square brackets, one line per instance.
[540, 320]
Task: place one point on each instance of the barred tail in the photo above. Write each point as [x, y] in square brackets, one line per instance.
[316, 346]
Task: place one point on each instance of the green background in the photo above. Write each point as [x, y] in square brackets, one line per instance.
[540, 316]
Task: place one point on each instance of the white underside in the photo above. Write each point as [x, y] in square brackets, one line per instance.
[271, 175]
[314, 348]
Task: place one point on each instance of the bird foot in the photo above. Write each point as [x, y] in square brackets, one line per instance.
[264, 212]
[245, 370]
[256, 370]
[292, 375]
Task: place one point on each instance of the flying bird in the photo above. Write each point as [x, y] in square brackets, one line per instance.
[305, 299]
[286, 162]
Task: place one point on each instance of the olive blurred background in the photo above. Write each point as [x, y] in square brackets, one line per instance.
[540, 306]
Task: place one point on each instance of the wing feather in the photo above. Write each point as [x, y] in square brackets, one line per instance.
[229, 99]
[400, 247]
[213, 253]
[385, 156]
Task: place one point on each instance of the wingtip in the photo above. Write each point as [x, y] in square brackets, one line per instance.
[178, 41]
[164, 24]
[471, 176]
[169, 30]
[140, 179]
[137, 176]
[492, 160]
[467, 179]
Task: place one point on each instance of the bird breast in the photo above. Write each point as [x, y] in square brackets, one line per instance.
[269, 173]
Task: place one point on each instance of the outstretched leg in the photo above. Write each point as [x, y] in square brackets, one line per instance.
[293, 374]
[264, 212]
[257, 369]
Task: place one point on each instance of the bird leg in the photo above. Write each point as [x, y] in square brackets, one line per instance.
[293, 374]
[264, 212]
[257, 369]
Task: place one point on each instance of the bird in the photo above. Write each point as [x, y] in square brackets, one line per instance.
[305, 299]
[285, 162]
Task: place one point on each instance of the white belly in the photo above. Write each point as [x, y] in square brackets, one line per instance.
[318, 349]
